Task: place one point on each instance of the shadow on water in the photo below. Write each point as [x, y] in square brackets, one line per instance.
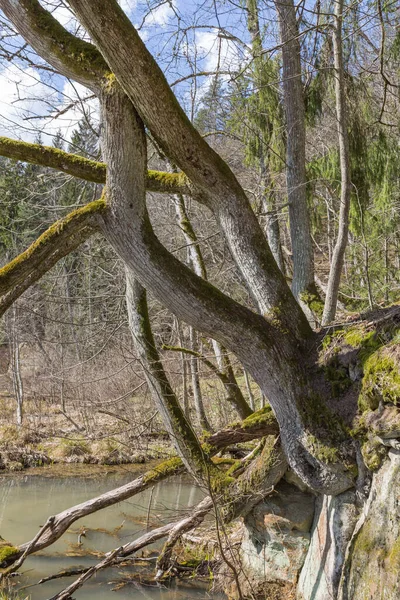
[26, 501]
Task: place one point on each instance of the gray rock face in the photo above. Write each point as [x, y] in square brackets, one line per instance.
[276, 535]
[372, 570]
[334, 522]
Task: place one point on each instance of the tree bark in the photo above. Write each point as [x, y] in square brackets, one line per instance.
[270, 357]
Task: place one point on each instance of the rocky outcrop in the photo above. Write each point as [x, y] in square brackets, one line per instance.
[276, 538]
[372, 568]
[334, 522]
[344, 554]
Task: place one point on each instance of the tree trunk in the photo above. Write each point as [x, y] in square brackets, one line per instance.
[185, 391]
[264, 132]
[344, 151]
[196, 389]
[249, 390]
[16, 366]
[270, 356]
[302, 250]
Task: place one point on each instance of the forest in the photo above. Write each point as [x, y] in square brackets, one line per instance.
[199, 288]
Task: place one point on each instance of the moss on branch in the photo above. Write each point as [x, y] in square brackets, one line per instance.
[84, 168]
[56, 242]
[79, 57]
[46, 156]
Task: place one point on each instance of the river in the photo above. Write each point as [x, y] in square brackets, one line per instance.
[28, 499]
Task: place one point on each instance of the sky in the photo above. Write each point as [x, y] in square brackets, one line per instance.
[25, 91]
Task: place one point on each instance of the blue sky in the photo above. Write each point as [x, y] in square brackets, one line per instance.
[181, 34]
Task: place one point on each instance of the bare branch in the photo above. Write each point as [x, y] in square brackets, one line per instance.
[176, 528]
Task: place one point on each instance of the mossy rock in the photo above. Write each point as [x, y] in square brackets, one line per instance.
[381, 381]
[373, 453]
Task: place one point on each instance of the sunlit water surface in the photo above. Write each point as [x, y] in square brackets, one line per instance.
[26, 501]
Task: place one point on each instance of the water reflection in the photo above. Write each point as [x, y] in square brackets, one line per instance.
[27, 501]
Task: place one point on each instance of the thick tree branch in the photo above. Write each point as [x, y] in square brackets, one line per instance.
[268, 353]
[144, 83]
[181, 433]
[257, 481]
[89, 170]
[71, 56]
[58, 241]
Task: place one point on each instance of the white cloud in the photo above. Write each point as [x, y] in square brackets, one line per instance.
[214, 50]
[24, 95]
[128, 6]
[161, 14]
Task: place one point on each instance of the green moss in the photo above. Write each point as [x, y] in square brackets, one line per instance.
[338, 376]
[160, 181]
[366, 341]
[7, 552]
[381, 381]
[393, 558]
[55, 158]
[80, 57]
[323, 452]
[235, 466]
[77, 217]
[314, 302]
[373, 453]
[274, 317]
[264, 416]
[166, 468]
[316, 414]
[366, 540]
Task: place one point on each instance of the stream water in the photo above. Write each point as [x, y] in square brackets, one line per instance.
[27, 500]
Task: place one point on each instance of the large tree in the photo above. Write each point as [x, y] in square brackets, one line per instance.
[275, 345]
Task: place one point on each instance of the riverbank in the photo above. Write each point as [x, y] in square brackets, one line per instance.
[26, 499]
[23, 448]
